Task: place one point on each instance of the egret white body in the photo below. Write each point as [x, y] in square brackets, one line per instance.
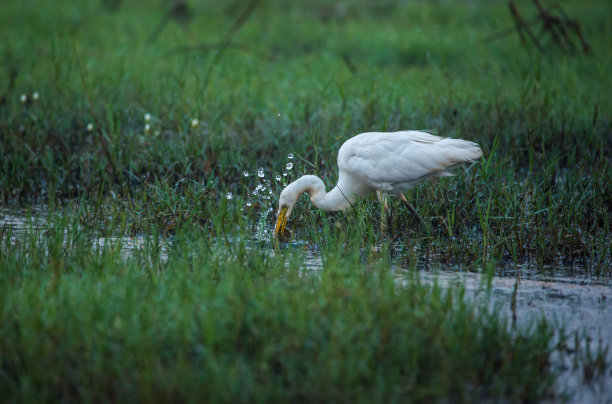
[388, 163]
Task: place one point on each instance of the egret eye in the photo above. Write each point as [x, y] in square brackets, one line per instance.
[284, 236]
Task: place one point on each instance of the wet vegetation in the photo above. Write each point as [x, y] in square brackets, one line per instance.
[138, 121]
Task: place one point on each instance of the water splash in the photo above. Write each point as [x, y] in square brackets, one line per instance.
[264, 233]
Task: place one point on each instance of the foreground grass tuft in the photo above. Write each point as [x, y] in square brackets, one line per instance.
[245, 325]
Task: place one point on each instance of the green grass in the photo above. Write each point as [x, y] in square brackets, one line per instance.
[240, 324]
[231, 318]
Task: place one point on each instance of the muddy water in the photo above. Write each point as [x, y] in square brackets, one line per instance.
[580, 304]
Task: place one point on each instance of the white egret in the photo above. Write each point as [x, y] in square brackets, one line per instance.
[387, 163]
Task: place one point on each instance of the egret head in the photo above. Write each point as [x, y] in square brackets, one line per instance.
[289, 197]
[287, 200]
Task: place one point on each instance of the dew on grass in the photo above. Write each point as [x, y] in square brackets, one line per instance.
[248, 203]
[23, 98]
[147, 117]
[194, 123]
[260, 172]
[246, 173]
[147, 128]
[90, 127]
[290, 156]
[289, 166]
[35, 96]
[229, 195]
[284, 173]
[278, 177]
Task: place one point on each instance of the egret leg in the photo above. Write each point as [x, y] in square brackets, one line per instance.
[382, 198]
[414, 213]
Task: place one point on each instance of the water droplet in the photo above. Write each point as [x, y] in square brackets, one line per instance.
[290, 156]
[248, 203]
[278, 114]
[260, 172]
[289, 166]
[229, 195]
[285, 174]
[147, 117]
[278, 178]
[246, 173]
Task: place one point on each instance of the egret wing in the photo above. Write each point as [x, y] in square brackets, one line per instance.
[385, 160]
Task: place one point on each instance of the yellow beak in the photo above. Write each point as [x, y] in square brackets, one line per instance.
[281, 221]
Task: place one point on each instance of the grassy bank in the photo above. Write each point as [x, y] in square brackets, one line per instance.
[206, 306]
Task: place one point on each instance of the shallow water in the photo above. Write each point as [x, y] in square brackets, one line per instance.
[581, 304]
[19, 222]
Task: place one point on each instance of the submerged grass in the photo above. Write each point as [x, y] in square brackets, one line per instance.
[200, 309]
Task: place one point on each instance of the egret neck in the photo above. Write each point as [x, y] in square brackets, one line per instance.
[335, 199]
